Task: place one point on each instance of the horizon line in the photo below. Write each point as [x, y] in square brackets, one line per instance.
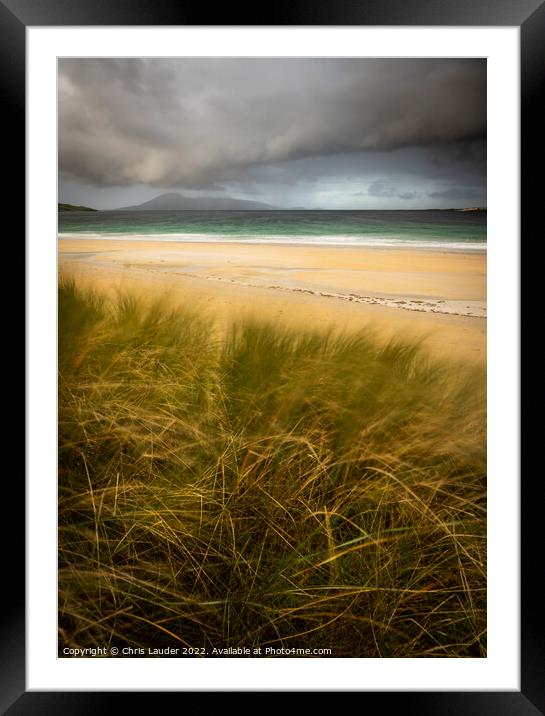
[295, 208]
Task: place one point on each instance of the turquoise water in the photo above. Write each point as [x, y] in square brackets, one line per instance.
[429, 229]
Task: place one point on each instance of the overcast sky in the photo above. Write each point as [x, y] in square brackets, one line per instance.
[313, 133]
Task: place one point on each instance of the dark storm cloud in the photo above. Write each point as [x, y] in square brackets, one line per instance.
[215, 123]
[401, 169]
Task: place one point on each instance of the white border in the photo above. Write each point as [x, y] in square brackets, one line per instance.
[500, 670]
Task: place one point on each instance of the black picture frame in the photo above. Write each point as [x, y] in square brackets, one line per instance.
[529, 15]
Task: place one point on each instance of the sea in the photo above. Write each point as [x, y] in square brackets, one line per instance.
[448, 230]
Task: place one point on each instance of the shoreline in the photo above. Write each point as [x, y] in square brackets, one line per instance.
[278, 240]
[440, 296]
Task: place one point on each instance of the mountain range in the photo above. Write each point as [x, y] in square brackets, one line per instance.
[173, 202]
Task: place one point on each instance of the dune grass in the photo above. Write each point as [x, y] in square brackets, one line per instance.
[265, 488]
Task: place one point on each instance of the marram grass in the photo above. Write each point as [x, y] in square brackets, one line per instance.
[264, 488]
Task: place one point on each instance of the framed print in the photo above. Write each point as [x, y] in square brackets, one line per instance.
[249, 461]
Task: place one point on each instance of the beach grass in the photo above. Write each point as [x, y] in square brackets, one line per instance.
[262, 487]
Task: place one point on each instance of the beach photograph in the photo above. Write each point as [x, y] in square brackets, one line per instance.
[272, 357]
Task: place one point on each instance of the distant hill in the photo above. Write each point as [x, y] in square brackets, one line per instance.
[174, 202]
[468, 208]
[71, 207]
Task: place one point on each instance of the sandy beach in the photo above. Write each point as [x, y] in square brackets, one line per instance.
[439, 296]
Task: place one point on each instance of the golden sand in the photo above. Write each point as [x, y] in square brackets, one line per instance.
[433, 294]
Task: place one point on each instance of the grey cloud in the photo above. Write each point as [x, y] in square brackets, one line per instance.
[472, 153]
[211, 122]
[381, 188]
[408, 169]
[454, 192]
